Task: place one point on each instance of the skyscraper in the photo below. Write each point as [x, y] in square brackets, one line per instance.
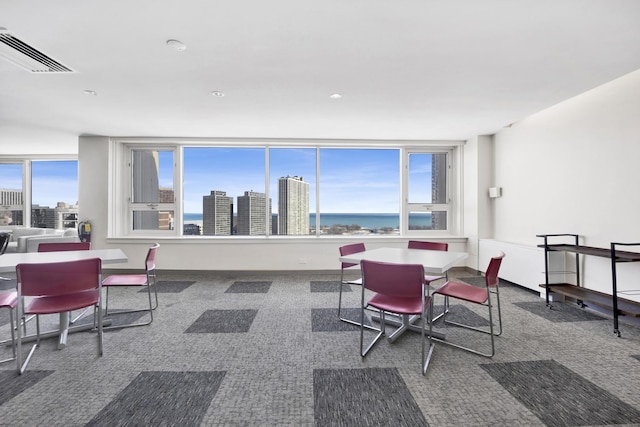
[293, 205]
[252, 214]
[217, 214]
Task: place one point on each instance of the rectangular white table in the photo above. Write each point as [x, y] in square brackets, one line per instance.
[8, 263]
[438, 262]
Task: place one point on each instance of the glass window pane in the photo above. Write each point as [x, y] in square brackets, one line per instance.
[292, 172]
[152, 176]
[427, 178]
[11, 196]
[359, 191]
[224, 191]
[436, 220]
[153, 220]
[54, 194]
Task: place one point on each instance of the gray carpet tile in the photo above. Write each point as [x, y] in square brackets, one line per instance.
[223, 321]
[559, 396]
[480, 281]
[326, 319]
[636, 356]
[328, 286]
[115, 318]
[14, 384]
[170, 286]
[257, 287]
[560, 312]
[162, 399]
[5, 318]
[363, 397]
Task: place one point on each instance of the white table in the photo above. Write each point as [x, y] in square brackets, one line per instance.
[8, 262]
[438, 262]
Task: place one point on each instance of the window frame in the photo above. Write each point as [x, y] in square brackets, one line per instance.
[120, 221]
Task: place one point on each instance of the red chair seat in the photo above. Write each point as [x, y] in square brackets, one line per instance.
[125, 280]
[8, 299]
[66, 302]
[463, 291]
[396, 304]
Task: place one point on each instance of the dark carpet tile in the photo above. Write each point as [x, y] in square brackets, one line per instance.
[560, 312]
[363, 397]
[559, 396]
[480, 281]
[328, 286]
[636, 356]
[14, 384]
[248, 288]
[222, 321]
[326, 319]
[162, 399]
[170, 286]
[461, 314]
[6, 285]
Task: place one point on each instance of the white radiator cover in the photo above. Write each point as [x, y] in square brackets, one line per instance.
[523, 264]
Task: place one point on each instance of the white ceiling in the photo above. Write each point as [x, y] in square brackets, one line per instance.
[407, 69]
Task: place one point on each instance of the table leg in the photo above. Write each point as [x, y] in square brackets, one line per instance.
[64, 330]
[405, 323]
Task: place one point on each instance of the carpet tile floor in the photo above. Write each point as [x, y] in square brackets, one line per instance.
[267, 349]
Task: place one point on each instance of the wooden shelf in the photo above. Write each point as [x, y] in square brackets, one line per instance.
[588, 296]
[621, 256]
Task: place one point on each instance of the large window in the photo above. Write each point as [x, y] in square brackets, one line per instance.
[12, 200]
[359, 191]
[40, 193]
[274, 191]
[152, 193]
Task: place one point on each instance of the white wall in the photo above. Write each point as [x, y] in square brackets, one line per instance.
[574, 168]
[21, 140]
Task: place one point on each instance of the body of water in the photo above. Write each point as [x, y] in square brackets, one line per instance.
[371, 220]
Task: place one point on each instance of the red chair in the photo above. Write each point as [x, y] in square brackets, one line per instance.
[344, 251]
[64, 246]
[58, 287]
[431, 246]
[475, 295]
[400, 289]
[135, 280]
[9, 300]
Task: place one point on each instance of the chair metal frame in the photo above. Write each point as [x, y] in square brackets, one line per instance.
[431, 246]
[399, 289]
[480, 296]
[9, 300]
[147, 280]
[348, 250]
[58, 287]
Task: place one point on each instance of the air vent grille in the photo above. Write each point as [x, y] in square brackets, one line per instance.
[21, 54]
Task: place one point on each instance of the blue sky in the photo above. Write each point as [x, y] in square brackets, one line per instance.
[352, 180]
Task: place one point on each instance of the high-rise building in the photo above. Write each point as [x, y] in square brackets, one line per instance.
[252, 214]
[217, 214]
[66, 215]
[439, 189]
[11, 205]
[293, 206]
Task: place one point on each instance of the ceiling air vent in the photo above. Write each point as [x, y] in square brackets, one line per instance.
[24, 56]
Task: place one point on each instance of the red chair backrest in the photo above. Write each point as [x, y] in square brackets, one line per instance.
[58, 278]
[432, 246]
[491, 275]
[351, 249]
[399, 280]
[150, 262]
[64, 246]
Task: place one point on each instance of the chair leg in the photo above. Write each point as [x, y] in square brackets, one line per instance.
[425, 361]
[23, 366]
[130, 325]
[473, 328]
[352, 322]
[380, 332]
[13, 338]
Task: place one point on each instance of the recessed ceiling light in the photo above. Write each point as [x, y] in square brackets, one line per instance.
[90, 92]
[176, 45]
[217, 93]
[335, 96]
